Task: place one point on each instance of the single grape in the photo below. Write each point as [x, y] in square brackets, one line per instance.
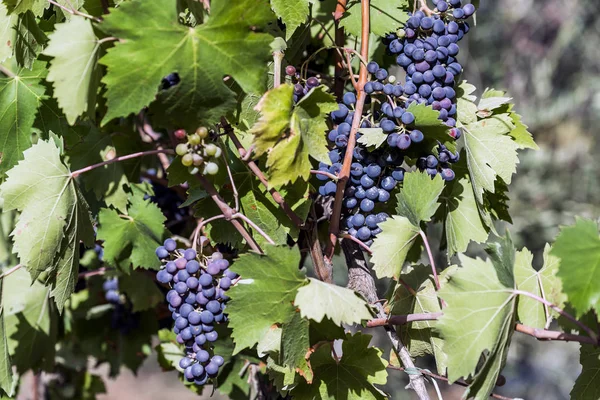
[212, 369]
[181, 149]
[447, 174]
[192, 283]
[180, 287]
[185, 362]
[363, 233]
[349, 99]
[381, 74]
[161, 252]
[212, 336]
[398, 174]
[206, 280]
[468, 9]
[200, 339]
[213, 269]
[218, 360]
[202, 356]
[312, 82]
[404, 141]
[211, 168]
[163, 276]
[367, 205]
[372, 67]
[225, 283]
[290, 70]
[197, 370]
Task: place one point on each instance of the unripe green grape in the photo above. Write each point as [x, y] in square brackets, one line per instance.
[187, 160]
[193, 170]
[211, 168]
[391, 79]
[181, 149]
[218, 152]
[198, 159]
[194, 140]
[202, 132]
[210, 149]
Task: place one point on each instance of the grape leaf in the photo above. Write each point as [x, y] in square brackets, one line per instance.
[587, 385]
[141, 291]
[490, 153]
[295, 344]
[291, 134]
[466, 110]
[520, 134]
[542, 283]
[30, 322]
[54, 217]
[74, 47]
[6, 373]
[419, 337]
[418, 199]
[479, 317]
[8, 33]
[20, 97]
[392, 245]
[578, 248]
[22, 6]
[30, 40]
[427, 120]
[351, 377]
[265, 294]
[133, 236]
[386, 16]
[318, 300]
[270, 343]
[463, 222]
[293, 13]
[372, 137]
[227, 44]
[492, 99]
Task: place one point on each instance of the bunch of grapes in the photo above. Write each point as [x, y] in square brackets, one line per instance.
[301, 86]
[197, 300]
[121, 318]
[198, 153]
[426, 48]
[111, 290]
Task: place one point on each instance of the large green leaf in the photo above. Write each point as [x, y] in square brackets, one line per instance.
[265, 294]
[352, 377]
[478, 318]
[418, 199]
[54, 217]
[20, 97]
[587, 385]
[133, 236]
[227, 44]
[29, 41]
[22, 6]
[386, 16]
[8, 33]
[578, 248]
[318, 300]
[391, 246]
[291, 134]
[74, 47]
[293, 13]
[295, 344]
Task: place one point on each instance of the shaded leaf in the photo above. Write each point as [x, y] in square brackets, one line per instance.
[418, 199]
[392, 245]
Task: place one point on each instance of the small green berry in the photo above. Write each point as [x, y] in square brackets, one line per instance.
[187, 160]
[181, 149]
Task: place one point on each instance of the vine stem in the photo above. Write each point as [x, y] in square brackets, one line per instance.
[254, 226]
[431, 260]
[78, 172]
[443, 378]
[325, 173]
[87, 274]
[559, 310]
[228, 213]
[334, 227]
[10, 271]
[340, 38]
[357, 241]
[75, 12]
[277, 59]
[202, 224]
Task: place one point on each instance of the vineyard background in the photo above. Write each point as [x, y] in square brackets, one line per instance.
[544, 53]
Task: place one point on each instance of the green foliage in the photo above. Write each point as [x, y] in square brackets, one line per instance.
[293, 14]
[578, 248]
[391, 247]
[418, 199]
[587, 387]
[386, 16]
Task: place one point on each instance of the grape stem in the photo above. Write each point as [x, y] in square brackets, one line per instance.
[325, 173]
[357, 241]
[78, 172]
[199, 227]
[254, 226]
[75, 12]
[87, 274]
[10, 271]
[443, 378]
[431, 260]
[334, 227]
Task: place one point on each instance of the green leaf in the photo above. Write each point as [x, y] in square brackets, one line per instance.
[295, 344]
[434, 129]
[22, 6]
[227, 44]
[386, 16]
[54, 217]
[318, 300]
[578, 248]
[168, 351]
[29, 320]
[465, 106]
[520, 134]
[420, 337]
[463, 223]
[293, 13]
[490, 100]
[479, 317]
[392, 245]
[133, 236]
[490, 153]
[8, 33]
[265, 294]
[542, 283]
[291, 134]
[352, 377]
[372, 137]
[20, 97]
[418, 199]
[30, 40]
[587, 385]
[270, 343]
[74, 47]
[141, 291]
[6, 373]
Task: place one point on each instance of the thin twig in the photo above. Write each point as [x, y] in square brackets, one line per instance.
[10, 271]
[277, 58]
[334, 227]
[357, 241]
[254, 226]
[324, 173]
[559, 310]
[199, 227]
[75, 12]
[87, 274]
[7, 71]
[443, 378]
[431, 260]
[236, 197]
[403, 319]
[349, 63]
[78, 172]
